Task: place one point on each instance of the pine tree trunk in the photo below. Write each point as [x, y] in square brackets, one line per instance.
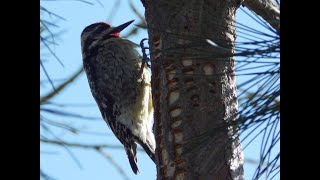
[194, 91]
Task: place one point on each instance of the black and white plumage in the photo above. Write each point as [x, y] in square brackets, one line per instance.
[123, 94]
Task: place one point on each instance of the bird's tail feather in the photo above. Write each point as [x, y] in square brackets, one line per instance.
[132, 156]
[148, 149]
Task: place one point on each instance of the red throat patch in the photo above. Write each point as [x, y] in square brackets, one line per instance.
[115, 35]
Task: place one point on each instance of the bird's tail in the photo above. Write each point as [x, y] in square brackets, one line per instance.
[132, 156]
[148, 148]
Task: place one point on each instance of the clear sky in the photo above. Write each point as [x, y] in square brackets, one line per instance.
[55, 160]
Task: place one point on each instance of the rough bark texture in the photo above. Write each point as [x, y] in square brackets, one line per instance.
[267, 9]
[194, 91]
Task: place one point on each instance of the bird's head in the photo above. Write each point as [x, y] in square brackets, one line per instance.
[100, 31]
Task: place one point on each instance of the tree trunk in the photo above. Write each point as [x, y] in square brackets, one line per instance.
[194, 89]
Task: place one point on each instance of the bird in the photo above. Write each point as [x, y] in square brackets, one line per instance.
[121, 90]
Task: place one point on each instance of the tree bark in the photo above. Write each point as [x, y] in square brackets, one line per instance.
[194, 90]
[267, 9]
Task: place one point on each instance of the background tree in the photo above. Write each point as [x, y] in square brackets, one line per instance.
[257, 63]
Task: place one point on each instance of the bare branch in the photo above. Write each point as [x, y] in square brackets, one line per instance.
[134, 9]
[74, 157]
[68, 114]
[51, 51]
[47, 97]
[51, 13]
[47, 75]
[78, 145]
[83, 1]
[113, 162]
[45, 176]
[82, 145]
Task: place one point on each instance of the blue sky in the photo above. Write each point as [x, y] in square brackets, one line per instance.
[55, 160]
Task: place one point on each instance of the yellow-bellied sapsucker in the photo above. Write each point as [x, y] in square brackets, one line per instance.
[122, 92]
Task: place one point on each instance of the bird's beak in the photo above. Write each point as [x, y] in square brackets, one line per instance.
[119, 28]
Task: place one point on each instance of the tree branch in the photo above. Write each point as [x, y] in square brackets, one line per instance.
[81, 145]
[45, 98]
[113, 162]
[267, 9]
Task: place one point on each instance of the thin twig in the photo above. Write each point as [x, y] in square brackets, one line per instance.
[47, 97]
[82, 145]
[113, 162]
